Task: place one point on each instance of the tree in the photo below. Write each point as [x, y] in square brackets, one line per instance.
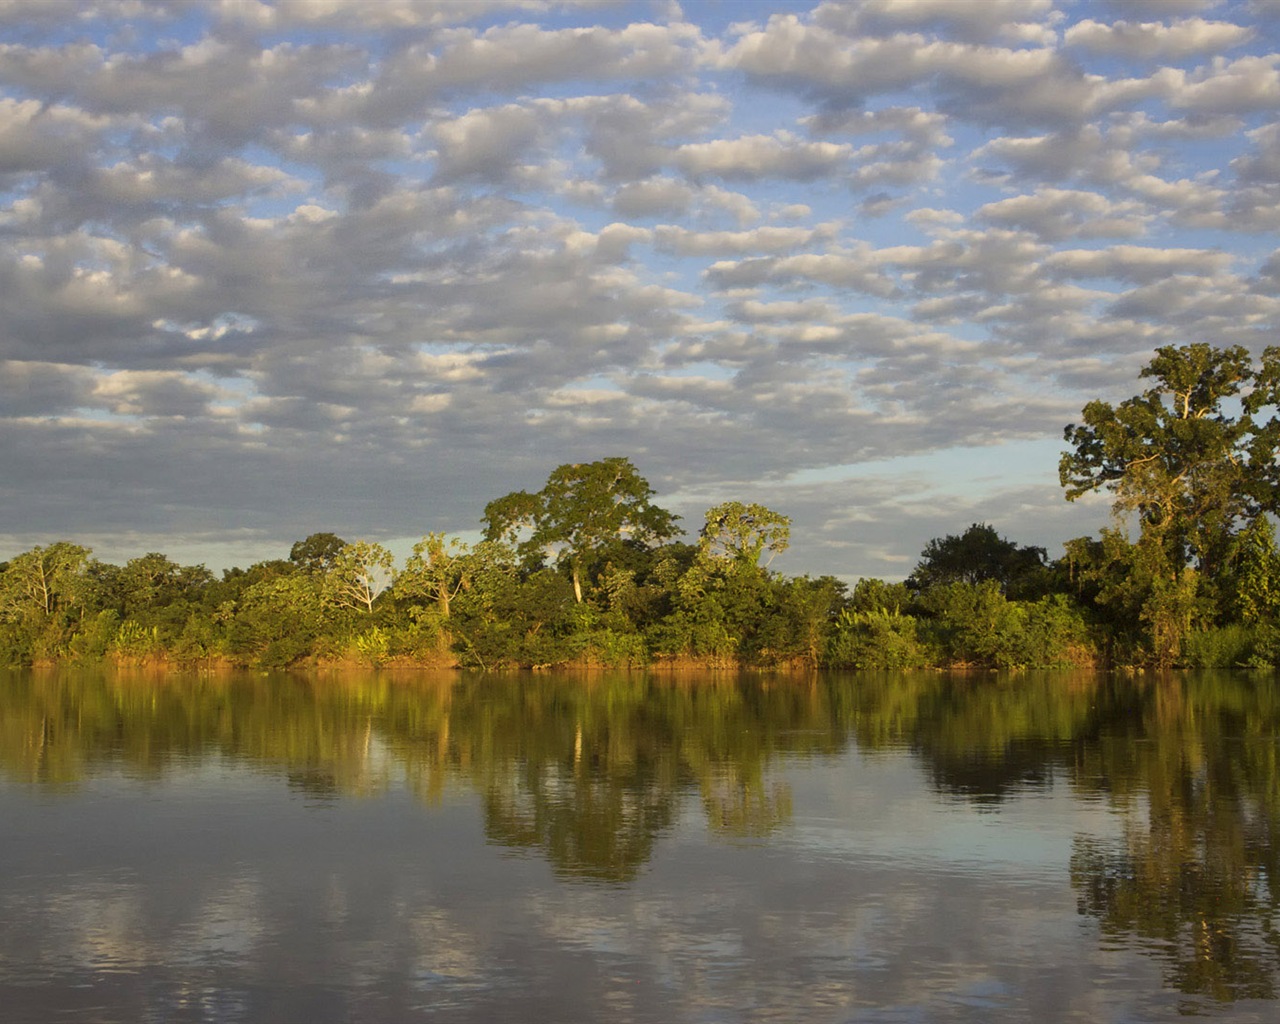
[1254, 574]
[153, 581]
[278, 619]
[440, 568]
[976, 556]
[1187, 466]
[584, 509]
[42, 580]
[742, 533]
[41, 591]
[1172, 455]
[317, 552]
[435, 571]
[359, 573]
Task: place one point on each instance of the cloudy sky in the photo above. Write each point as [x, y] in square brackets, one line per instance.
[268, 269]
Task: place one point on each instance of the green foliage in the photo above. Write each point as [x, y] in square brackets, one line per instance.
[1055, 634]
[358, 574]
[583, 510]
[529, 623]
[373, 646]
[1237, 645]
[606, 638]
[43, 581]
[875, 640]
[975, 624]
[136, 641]
[742, 533]
[872, 595]
[93, 638]
[1252, 584]
[278, 621]
[975, 556]
[17, 645]
[317, 553]
[1190, 469]
[1199, 477]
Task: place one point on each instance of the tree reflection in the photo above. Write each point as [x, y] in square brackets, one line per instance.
[1194, 877]
[1192, 762]
[982, 737]
[589, 771]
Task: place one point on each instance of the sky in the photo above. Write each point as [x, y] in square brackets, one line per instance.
[271, 269]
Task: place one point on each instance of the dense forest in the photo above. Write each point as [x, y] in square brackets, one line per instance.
[589, 571]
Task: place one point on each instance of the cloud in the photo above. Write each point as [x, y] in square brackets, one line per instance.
[1186, 37]
[487, 145]
[1015, 20]
[35, 136]
[343, 267]
[855, 270]
[653, 197]
[1056, 214]
[1134, 263]
[762, 239]
[760, 156]
[387, 14]
[1160, 8]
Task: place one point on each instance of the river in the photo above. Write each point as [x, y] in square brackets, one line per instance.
[374, 847]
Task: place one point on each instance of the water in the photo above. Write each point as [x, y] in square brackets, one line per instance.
[343, 848]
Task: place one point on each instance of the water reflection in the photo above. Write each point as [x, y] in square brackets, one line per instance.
[590, 770]
[594, 775]
[1196, 873]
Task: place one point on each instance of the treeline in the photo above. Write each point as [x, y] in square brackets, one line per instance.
[588, 570]
[617, 596]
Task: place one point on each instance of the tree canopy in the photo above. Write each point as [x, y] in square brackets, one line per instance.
[583, 509]
[1181, 455]
[975, 556]
[1193, 460]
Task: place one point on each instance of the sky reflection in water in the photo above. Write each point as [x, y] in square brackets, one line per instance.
[370, 849]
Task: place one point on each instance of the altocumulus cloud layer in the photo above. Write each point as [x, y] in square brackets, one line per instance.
[272, 268]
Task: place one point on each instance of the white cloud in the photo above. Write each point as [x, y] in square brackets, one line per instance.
[1239, 86]
[762, 239]
[298, 254]
[1185, 37]
[760, 156]
[1055, 214]
[1136, 263]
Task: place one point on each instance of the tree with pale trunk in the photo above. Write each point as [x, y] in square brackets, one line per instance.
[584, 509]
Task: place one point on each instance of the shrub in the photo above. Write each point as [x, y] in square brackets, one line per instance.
[875, 640]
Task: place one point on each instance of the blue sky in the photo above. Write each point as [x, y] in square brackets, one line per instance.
[268, 269]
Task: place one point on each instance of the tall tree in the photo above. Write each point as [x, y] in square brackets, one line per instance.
[1186, 464]
[1174, 455]
[742, 533]
[360, 572]
[975, 556]
[44, 579]
[316, 553]
[583, 509]
[440, 568]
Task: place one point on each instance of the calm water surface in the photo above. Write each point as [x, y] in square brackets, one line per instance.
[369, 848]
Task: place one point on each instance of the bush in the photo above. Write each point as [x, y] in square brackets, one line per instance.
[134, 640]
[975, 624]
[93, 640]
[875, 640]
[373, 646]
[1233, 646]
[1054, 634]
